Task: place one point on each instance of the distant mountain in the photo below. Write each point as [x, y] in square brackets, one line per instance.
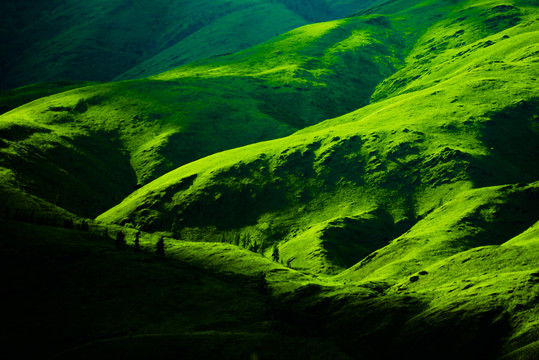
[101, 40]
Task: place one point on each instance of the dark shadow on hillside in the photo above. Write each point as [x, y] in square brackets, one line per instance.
[512, 138]
[509, 215]
[374, 324]
[347, 240]
[67, 288]
[86, 175]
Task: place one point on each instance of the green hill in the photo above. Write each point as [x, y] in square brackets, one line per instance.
[134, 131]
[361, 188]
[99, 40]
[386, 165]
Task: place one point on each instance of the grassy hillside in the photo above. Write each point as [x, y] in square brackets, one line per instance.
[362, 188]
[383, 168]
[131, 132]
[81, 296]
[439, 170]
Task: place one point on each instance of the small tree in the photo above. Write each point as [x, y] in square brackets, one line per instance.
[84, 226]
[261, 283]
[137, 241]
[120, 240]
[275, 254]
[68, 223]
[160, 246]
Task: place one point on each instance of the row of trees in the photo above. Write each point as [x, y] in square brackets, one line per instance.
[254, 246]
[242, 240]
[120, 243]
[245, 241]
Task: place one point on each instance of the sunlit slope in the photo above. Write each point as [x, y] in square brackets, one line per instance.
[492, 289]
[333, 193]
[443, 51]
[91, 146]
[12, 99]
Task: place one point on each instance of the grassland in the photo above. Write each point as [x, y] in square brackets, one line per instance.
[145, 128]
[363, 188]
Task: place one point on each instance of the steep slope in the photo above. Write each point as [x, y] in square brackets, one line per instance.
[99, 40]
[333, 193]
[91, 146]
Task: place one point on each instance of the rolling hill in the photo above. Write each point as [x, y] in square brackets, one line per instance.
[156, 124]
[96, 40]
[360, 188]
[391, 162]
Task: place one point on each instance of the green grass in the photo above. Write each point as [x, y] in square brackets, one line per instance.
[389, 157]
[10, 100]
[155, 125]
[404, 156]
[124, 39]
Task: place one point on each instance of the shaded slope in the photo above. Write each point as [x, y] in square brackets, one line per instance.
[205, 296]
[99, 40]
[79, 295]
[200, 297]
[385, 166]
[12, 99]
